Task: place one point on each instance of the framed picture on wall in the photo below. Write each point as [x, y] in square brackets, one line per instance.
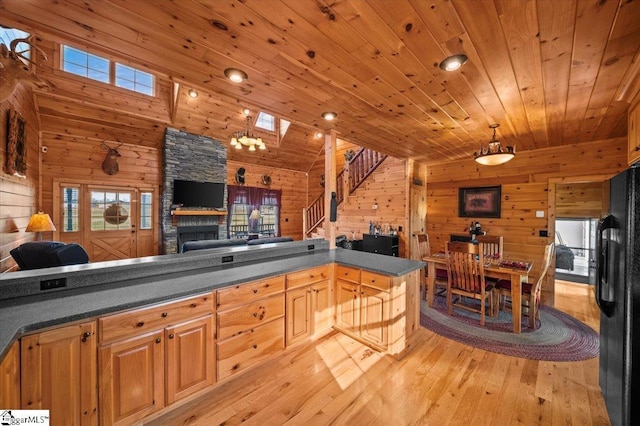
[479, 202]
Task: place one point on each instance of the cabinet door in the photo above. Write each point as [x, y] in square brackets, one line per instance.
[190, 360]
[10, 378]
[347, 306]
[321, 307]
[131, 378]
[298, 314]
[374, 315]
[58, 370]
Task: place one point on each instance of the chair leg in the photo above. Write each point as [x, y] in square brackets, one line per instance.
[533, 311]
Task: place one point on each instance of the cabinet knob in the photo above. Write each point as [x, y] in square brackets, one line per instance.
[164, 314]
[255, 346]
[637, 148]
[140, 324]
[255, 290]
[158, 340]
[86, 335]
[171, 336]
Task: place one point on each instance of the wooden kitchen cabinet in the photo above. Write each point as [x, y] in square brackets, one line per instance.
[250, 324]
[309, 307]
[131, 378]
[10, 378]
[363, 307]
[154, 356]
[190, 358]
[58, 369]
[634, 133]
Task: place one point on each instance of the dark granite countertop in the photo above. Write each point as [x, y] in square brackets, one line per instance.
[107, 287]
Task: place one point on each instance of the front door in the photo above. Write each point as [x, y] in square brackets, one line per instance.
[110, 222]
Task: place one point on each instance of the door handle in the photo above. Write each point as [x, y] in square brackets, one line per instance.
[605, 301]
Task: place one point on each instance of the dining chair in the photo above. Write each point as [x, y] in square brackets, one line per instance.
[493, 245]
[531, 292]
[424, 250]
[465, 267]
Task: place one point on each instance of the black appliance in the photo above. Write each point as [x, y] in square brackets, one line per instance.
[381, 244]
[198, 194]
[618, 296]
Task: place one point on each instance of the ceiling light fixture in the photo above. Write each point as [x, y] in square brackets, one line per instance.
[328, 115]
[494, 154]
[247, 139]
[454, 62]
[235, 75]
[319, 135]
[193, 93]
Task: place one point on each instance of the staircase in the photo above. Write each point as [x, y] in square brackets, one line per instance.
[365, 162]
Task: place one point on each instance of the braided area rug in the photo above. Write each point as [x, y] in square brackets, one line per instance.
[559, 337]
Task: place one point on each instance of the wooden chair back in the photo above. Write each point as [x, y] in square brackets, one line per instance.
[465, 266]
[493, 245]
[423, 245]
[546, 262]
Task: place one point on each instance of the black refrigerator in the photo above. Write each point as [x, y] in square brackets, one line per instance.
[618, 296]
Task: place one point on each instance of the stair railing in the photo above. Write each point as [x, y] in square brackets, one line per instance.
[362, 165]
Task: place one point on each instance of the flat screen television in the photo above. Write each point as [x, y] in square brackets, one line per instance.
[189, 193]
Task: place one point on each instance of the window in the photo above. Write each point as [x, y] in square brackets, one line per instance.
[253, 211]
[133, 79]
[94, 67]
[146, 206]
[7, 35]
[110, 210]
[70, 197]
[85, 64]
[266, 121]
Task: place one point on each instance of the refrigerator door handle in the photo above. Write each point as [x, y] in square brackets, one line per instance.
[604, 294]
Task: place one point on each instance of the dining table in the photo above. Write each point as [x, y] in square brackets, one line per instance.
[516, 271]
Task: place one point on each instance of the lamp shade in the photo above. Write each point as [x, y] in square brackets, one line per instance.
[40, 222]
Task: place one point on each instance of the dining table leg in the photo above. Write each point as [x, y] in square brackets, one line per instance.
[516, 301]
[431, 283]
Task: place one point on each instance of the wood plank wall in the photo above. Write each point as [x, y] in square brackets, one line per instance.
[18, 196]
[294, 192]
[525, 188]
[580, 200]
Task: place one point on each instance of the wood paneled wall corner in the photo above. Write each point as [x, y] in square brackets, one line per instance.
[18, 196]
[526, 188]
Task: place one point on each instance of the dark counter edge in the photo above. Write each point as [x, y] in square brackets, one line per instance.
[108, 287]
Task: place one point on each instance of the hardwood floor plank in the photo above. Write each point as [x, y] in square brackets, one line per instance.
[339, 381]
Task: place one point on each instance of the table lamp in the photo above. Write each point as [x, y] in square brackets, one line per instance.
[40, 222]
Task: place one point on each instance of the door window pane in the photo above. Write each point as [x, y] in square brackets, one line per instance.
[70, 209]
[110, 211]
[146, 205]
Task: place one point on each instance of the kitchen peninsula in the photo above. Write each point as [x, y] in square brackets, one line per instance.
[185, 322]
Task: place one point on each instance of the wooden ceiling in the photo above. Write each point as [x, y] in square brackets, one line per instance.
[550, 72]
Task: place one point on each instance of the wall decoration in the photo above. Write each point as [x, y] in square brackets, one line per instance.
[110, 163]
[479, 201]
[17, 145]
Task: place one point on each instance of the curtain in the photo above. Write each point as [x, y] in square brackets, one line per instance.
[254, 198]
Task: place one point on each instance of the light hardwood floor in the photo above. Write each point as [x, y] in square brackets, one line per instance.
[339, 381]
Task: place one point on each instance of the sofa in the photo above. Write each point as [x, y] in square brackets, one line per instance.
[209, 244]
[46, 254]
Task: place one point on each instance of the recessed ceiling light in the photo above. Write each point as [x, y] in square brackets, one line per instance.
[319, 135]
[454, 62]
[193, 93]
[235, 75]
[328, 115]
[246, 111]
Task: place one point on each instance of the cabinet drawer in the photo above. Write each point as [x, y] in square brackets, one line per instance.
[250, 348]
[348, 274]
[138, 321]
[249, 292]
[235, 321]
[379, 281]
[308, 276]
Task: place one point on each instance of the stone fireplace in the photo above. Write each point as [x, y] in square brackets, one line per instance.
[198, 158]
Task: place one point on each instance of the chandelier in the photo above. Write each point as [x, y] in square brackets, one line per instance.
[494, 153]
[247, 139]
